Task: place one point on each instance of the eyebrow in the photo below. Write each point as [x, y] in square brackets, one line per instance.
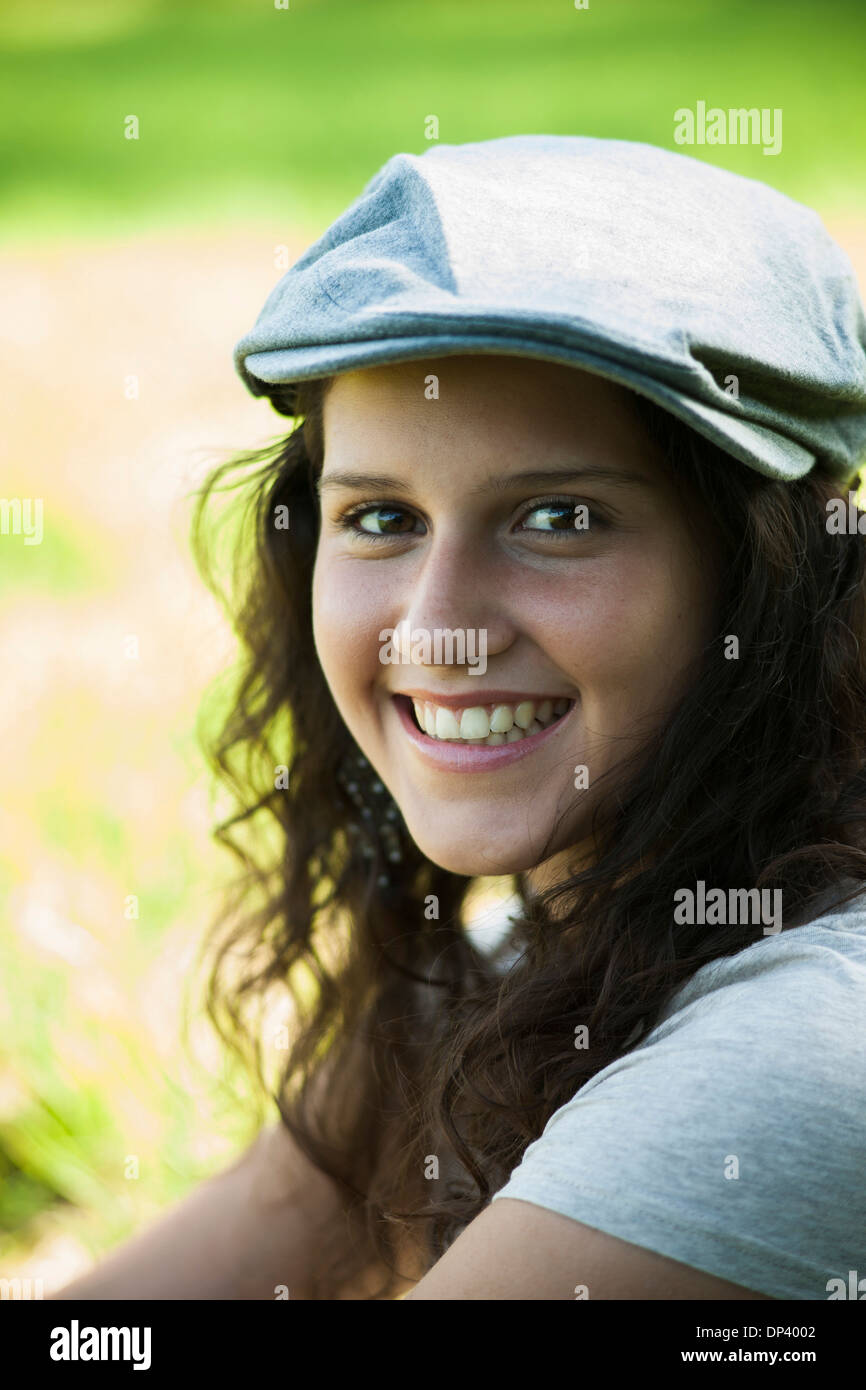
[494, 482]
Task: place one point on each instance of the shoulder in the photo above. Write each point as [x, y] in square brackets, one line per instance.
[777, 1026]
[728, 1146]
[800, 991]
[792, 1002]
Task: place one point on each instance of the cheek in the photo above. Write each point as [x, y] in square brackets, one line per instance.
[629, 629]
[349, 611]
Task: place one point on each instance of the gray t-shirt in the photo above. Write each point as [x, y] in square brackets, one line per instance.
[733, 1137]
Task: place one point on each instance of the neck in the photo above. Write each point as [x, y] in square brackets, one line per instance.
[557, 868]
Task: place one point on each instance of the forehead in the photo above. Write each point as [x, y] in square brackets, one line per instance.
[510, 401]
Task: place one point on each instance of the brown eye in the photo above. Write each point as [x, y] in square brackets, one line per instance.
[386, 520]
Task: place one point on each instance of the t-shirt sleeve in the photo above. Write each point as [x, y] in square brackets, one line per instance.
[733, 1138]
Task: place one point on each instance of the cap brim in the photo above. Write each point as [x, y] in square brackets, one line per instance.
[759, 448]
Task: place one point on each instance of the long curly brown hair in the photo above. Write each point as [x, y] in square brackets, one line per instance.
[404, 1042]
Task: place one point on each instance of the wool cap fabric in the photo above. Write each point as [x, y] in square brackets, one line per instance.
[719, 298]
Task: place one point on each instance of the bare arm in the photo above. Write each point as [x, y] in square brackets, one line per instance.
[515, 1250]
[269, 1220]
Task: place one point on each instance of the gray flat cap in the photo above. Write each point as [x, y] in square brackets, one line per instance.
[719, 298]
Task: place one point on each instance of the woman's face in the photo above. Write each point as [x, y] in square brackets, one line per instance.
[590, 582]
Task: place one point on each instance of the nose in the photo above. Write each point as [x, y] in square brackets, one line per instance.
[454, 589]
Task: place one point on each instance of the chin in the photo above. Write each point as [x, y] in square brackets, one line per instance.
[477, 862]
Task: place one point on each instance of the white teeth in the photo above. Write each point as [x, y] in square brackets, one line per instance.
[474, 723]
[524, 714]
[493, 725]
[446, 724]
[501, 720]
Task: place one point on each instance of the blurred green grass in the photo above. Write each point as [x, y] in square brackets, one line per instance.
[245, 108]
[246, 112]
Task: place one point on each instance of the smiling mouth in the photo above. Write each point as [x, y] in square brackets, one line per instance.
[505, 723]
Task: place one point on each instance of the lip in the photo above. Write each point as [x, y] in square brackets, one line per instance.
[449, 756]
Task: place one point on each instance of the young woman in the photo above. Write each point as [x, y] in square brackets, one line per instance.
[557, 578]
